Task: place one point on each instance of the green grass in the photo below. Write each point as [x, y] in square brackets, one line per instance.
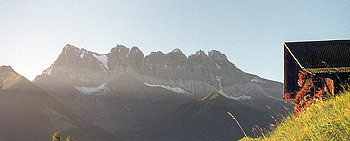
[329, 120]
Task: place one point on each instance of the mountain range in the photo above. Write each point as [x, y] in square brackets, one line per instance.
[125, 95]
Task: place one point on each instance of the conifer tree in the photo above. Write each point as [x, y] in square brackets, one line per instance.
[56, 136]
[69, 138]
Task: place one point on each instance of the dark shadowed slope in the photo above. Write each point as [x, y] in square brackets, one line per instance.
[29, 113]
[207, 119]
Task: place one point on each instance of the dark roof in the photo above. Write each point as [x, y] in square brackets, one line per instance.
[322, 56]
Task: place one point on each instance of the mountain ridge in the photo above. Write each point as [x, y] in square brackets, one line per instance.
[131, 95]
[32, 114]
[173, 69]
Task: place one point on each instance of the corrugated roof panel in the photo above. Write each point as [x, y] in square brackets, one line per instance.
[312, 54]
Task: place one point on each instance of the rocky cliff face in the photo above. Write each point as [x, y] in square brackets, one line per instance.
[196, 74]
[155, 96]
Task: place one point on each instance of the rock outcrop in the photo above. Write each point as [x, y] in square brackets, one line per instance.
[197, 74]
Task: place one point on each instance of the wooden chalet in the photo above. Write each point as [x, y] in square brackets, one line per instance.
[328, 62]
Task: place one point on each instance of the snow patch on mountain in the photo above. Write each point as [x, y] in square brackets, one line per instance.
[83, 54]
[176, 50]
[174, 89]
[90, 90]
[242, 97]
[221, 91]
[128, 54]
[257, 80]
[218, 66]
[103, 60]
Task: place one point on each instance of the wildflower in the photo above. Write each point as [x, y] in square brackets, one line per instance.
[286, 96]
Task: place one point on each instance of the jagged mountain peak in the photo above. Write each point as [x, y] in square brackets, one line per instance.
[69, 48]
[216, 55]
[120, 46]
[176, 53]
[6, 69]
[200, 53]
[157, 53]
[7, 72]
[72, 50]
[119, 49]
[135, 50]
[176, 50]
[10, 79]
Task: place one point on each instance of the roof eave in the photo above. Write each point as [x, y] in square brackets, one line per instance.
[295, 59]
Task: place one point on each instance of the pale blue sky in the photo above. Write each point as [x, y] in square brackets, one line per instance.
[250, 32]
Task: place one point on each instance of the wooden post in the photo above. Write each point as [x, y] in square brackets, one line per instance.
[329, 85]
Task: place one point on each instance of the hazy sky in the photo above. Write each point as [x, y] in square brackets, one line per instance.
[250, 32]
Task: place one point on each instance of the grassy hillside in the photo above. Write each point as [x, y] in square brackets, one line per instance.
[329, 120]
